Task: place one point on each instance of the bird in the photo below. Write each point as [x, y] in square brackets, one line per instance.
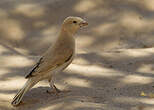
[57, 57]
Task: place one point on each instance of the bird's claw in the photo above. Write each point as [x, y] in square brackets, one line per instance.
[54, 92]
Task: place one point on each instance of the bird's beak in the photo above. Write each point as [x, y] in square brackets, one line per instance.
[83, 23]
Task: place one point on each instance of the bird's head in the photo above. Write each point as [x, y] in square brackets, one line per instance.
[72, 24]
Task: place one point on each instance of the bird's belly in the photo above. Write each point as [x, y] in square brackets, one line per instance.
[58, 69]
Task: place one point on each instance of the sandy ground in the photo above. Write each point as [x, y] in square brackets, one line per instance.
[114, 61]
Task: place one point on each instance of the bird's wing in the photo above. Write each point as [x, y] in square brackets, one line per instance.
[47, 64]
[36, 66]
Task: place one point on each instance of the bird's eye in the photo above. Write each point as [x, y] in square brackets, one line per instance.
[74, 21]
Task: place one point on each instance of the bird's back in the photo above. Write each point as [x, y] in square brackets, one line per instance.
[60, 52]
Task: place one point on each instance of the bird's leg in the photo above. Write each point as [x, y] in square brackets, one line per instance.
[55, 89]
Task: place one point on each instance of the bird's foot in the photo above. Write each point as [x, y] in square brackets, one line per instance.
[57, 91]
[54, 91]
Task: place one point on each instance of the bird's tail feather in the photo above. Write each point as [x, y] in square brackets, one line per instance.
[18, 97]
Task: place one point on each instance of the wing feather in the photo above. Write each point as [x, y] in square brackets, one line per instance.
[36, 66]
[46, 64]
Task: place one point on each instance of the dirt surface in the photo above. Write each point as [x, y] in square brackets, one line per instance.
[114, 64]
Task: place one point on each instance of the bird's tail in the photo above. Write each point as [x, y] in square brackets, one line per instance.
[18, 97]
